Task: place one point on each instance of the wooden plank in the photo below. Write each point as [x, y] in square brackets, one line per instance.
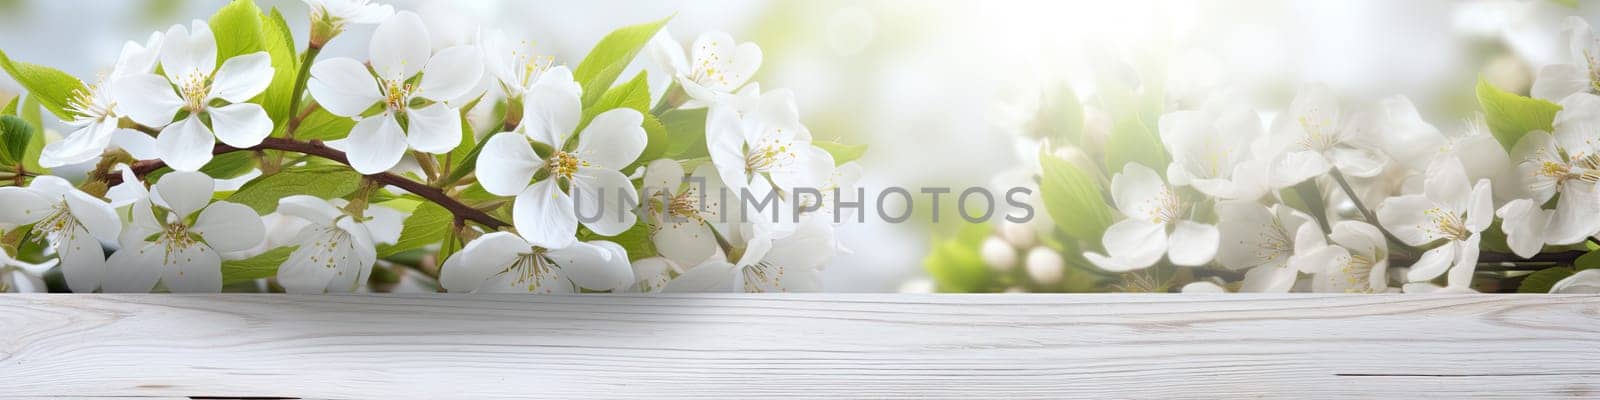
[732, 346]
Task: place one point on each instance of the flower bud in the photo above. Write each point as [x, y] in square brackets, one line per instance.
[1044, 265]
[1020, 235]
[998, 254]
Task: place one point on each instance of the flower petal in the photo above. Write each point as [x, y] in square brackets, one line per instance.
[507, 164]
[544, 215]
[192, 269]
[399, 48]
[596, 265]
[186, 145]
[94, 214]
[613, 140]
[1555, 81]
[81, 145]
[1132, 244]
[183, 192]
[434, 129]
[600, 196]
[551, 110]
[343, 86]
[230, 227]
[1192, 244]
[309, 268]
[1135, 189]
[480, 259]
[1358, 162]
[23, 206]
[1447, 184]
[310, 208]
[1269, 279]
[134, 269]
[1297, 166]
[147, 99]
[240, 125]
[1466, 263]
[242, 77]
[451, 74]
[137, 144]
[185, 51]
[650, 275]
[376, 144]
[711, 277]
[1432, 263]
[1584, 282]
[1406, 217]
[83, 261]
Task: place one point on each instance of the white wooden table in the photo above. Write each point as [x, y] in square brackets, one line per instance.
[731, 346]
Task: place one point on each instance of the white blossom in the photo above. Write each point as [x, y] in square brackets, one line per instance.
[1156, 225]
[1448, 209]
[177, 235]
[192, 83]
[335, 251]
[714, 67]
[502, 262]
[407, 82]
[75, 224]
[95, 113]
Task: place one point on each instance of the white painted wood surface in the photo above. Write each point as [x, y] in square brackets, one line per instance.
[730, 346]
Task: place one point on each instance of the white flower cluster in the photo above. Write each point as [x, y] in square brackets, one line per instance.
[172, 106]
[1322, 199]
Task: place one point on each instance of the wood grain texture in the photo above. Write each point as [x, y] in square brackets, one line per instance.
[732, 346]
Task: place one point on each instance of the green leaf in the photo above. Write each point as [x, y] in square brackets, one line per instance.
[955, 265]
[686, 133]
[1072, 197]
[11, 106]
[279, 43]
[15, 136]
[264, 265]
[842, 153]
[48, 86]
[1542, 281]
[610, 56]
[1132, 141]
[464, 157]
[1060, 116]
[636, 240]
[634, 94]
[323, 125]
[237, 27]
[223, 166]
[428, 224]
[1587, 261]
[30, 113]
[1510, 116]
[324, 181]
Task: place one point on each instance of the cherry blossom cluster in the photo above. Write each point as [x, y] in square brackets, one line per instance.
[1317, 196]
[221, 156]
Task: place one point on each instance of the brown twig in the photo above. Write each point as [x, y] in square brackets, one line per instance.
[461, 211]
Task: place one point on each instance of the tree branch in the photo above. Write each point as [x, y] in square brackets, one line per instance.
[461, 211]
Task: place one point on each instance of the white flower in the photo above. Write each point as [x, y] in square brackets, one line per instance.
[502, 262]
[1448, 209]
[788, 264]
[1276, 244]
[74, 222]
[514, 65]
[1556, 81]
[714, 67]
[1568, 163]
[95, 113]
[1151, 207]
[1202, 287]
[193, 82]
[20, 277]
[1210, 150]
[1584, 282]
[398, 54]
[1312, 136]
[652, 274]
[1363, 266]
[176, 236]
[547, 212]
[767, 142]
[682, 211]
[336, 13]
[335, 252]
